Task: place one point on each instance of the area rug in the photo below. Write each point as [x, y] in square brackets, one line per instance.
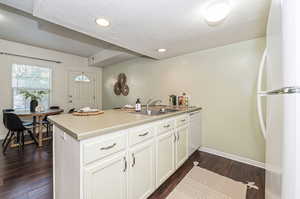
[203, 184]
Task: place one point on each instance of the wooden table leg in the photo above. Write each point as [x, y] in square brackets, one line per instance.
[40, 131]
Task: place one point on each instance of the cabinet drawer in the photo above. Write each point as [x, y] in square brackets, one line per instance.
[97, 150]
[165, 126]
[182, 120]
[140, 135]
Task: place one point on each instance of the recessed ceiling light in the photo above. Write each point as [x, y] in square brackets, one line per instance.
[216, 11]
[102, 22]
[161, 50]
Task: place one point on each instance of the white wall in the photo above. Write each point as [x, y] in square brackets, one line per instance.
[221, 80]
[60, 71]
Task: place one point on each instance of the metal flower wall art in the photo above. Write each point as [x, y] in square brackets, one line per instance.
[121, 86]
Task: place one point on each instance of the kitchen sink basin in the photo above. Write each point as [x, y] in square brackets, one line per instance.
[156, 112]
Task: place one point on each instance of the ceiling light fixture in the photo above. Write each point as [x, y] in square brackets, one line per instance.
[102, 22]
[161, 50]
[216, 11]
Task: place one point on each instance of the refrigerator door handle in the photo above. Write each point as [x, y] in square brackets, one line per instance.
[258, 97]
[281, 91]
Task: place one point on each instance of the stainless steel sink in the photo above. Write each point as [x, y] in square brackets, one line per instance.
[156, 112]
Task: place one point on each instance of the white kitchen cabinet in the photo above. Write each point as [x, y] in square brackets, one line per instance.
[181, 145]
[165, 156]
[107, 178]
[141, 176]
[125, 164]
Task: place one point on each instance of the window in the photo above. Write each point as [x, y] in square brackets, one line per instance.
[82, 78]
[30, 78]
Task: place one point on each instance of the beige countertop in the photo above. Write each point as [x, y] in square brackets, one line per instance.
[83, 127]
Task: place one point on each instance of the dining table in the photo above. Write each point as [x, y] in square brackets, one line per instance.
[37, 121]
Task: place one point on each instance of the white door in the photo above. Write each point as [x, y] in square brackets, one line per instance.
[141, 177]
[165, 157]
[82, 90]
[106, 179]
[181, 146]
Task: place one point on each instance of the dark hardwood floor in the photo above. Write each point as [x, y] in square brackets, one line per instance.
[28, 174]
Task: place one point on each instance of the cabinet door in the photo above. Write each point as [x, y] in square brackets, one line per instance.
[106, 179]
[165, 157]
[142, 170]
[181, 145]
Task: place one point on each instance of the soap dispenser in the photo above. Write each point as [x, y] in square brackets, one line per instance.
[138, 106]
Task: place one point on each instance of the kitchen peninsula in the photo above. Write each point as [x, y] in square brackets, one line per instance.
[119, 154]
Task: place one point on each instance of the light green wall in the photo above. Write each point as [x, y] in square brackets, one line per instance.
[221, 80]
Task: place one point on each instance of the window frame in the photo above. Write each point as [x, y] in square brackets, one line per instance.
[34, 65]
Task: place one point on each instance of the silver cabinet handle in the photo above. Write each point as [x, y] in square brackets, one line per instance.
[175, 138]
[167, 126]
[144, 134]
[133, 160]
[281, 91]
[108, 147]
[178, 136]
[125, 164]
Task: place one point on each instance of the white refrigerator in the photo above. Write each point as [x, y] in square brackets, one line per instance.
[280, 123]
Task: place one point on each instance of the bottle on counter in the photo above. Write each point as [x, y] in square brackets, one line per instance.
[138, 105]
[184, 100]
[172, 100]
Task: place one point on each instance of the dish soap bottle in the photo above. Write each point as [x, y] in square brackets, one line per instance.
[138, 106]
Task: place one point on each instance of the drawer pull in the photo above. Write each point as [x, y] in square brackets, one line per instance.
[125, 165]
[167, 126]
[133, 160]
[144, 134]
[108, 147]
[183, 120]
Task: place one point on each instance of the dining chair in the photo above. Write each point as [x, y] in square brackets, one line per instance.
[25, 123]
[72, 110]
[46, 123]
[16, 129]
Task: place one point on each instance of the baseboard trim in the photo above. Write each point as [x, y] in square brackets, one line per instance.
[233, 157]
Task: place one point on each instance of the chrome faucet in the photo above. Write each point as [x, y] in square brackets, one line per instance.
[147, 104]
[153, 103]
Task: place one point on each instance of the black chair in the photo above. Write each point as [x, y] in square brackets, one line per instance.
[16, 129]
[46, 123]
[72, 110]
[25, 122]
